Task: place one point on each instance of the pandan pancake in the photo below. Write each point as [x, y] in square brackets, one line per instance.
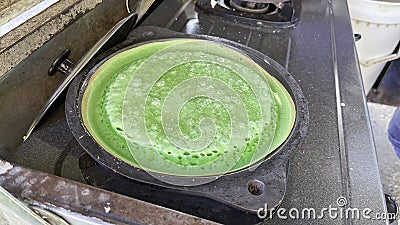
[197, 79]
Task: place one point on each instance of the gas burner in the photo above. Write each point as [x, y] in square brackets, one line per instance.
[277, 13]
[250, 6]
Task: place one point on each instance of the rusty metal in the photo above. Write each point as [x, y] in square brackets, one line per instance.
[87, 200]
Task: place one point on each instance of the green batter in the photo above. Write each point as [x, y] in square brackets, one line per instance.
[109, 104]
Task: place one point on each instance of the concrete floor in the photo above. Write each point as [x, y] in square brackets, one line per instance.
[10, 10]
[389, 163]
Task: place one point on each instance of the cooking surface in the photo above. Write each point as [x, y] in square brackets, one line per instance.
[217, 62]
[336, 158]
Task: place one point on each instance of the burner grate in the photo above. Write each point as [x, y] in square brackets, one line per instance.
[277, 13]
[253, 7]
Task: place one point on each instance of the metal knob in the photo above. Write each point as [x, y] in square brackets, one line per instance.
[61, 64]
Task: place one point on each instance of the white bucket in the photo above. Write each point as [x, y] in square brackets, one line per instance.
[378, 23]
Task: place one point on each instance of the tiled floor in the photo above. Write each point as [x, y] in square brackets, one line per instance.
[389, 163]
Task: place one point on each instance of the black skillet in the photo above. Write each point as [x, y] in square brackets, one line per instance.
[232, 191]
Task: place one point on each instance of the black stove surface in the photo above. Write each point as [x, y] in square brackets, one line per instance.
[337, 158]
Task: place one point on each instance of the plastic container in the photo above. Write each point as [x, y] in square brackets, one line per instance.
[378, 24]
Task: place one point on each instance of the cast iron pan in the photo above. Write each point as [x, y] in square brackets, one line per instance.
[230, 189]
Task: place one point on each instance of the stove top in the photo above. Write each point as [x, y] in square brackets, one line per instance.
[336, 160]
